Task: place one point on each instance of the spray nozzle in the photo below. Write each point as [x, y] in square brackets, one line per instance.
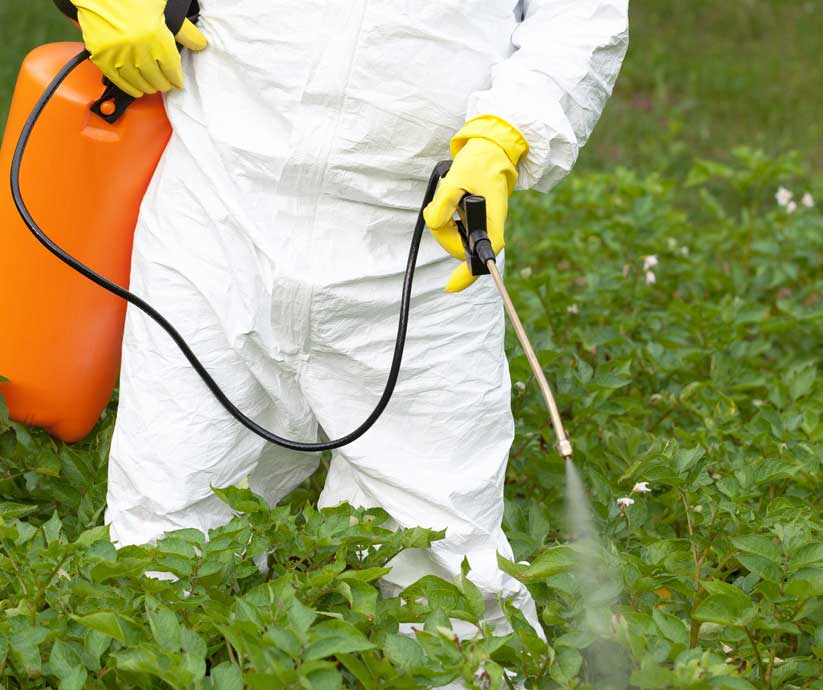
[474, 232]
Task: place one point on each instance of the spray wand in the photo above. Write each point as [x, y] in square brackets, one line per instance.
[481, 260]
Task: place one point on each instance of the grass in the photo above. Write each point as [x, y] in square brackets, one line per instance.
[25, 26]
[701, 78]
[710, 76]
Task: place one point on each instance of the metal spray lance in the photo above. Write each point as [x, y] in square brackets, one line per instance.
[481, 260]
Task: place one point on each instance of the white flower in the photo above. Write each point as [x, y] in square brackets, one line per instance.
[572, 309]
[726, 649]
[684, 250]
[625, 502]
[807, 200]
[520, 385]
[651, 278]
[641, 488]
[783, 196]
[649, 261]
[791, 207]
[483, 678]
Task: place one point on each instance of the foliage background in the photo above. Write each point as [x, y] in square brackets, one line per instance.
[702, 77]
[704, 383]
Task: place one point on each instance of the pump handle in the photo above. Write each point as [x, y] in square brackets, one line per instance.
[472, 226]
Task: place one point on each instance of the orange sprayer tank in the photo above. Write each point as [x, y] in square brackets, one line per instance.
[83, 180]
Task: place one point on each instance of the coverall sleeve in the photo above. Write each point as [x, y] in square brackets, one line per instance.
[555, 85]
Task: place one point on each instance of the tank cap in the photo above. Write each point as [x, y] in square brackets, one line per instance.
[108, 107]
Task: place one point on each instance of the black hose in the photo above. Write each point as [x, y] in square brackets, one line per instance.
[405, 301]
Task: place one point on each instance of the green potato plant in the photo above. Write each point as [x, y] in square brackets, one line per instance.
[681, 321]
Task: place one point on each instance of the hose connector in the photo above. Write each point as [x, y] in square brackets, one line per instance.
[474, 234]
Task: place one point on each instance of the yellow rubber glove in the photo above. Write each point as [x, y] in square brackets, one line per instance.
[131, 44]
[485, 152]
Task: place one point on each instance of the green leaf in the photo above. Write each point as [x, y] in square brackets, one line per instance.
[226, 676]
[610, 380]
[241, 500]
[686, 458]
[361, 596]
[63, 659]
[653, 676]
[321, 676]
[553, 561]
[806, 583]
[24, 649]
[420, 538]
[438, 595]
[762, 567]
[403, 651]
[74, 680]
[725, 605]
[760, 545]
[123, 567]
[359, 670]
[800, 379]
[164, 626]
[8, 532]
[12, 511]
[106, 622]
[47, 463]
[300, 616]
[95, 645]
[143, 659]
[93, 535]
[179, 566]
[365, 575]
[335, 637]
[673, 628]
[566, 665]
[477, 603]
[175, 546]
[806, 555]
[51, 528]
[193, 536]
[284, 640]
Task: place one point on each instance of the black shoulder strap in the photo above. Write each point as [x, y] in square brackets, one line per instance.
[176, 12]
[67, 8]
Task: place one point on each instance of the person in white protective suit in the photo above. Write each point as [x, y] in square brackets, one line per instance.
[275, 233]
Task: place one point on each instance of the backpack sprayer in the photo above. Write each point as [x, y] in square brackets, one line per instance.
[480, 257]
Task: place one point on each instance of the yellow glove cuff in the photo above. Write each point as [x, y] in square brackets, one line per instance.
[496, 130]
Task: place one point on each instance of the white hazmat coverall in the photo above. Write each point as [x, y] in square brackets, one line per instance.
[275, 233]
